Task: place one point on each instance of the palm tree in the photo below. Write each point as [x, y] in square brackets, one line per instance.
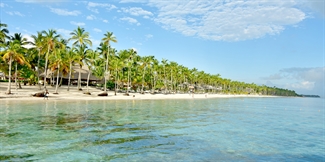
[117, 65]
[80, 38]
[99, 68]
[146, 61]
[38, 43]
[50, 39]
[57, 63]
[23, 41]
[14, 52]
[3, 34]
[108, 37]
[71, 57]
[132, 53]
[90, 59]
[164, 62]
[81, 52]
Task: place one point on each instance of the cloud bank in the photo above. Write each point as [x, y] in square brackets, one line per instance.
[303, 80]
[231, 20]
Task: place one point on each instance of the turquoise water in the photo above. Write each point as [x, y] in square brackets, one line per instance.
[231, 129]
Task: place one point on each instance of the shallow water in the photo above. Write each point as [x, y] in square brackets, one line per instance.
[223, 129]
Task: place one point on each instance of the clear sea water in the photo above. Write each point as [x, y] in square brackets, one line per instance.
[223, 129]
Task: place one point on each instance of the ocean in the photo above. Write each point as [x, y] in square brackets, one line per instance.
[219, 129]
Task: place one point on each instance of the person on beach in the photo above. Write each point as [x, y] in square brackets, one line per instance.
[46, 94]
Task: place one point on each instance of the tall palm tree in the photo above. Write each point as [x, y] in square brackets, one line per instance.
[145, 62]
[71, 57]
[14, 52]
[90, 59]
[108, 37]
[57, 63]
[50, 39]
[38, 43]
[132, 54]
[82, 52]
[117, 65]
[164, 63]
[80, 38]
[22, 41]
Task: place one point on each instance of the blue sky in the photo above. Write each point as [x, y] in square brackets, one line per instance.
[272, 42]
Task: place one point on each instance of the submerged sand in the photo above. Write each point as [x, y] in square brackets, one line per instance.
[74, 94]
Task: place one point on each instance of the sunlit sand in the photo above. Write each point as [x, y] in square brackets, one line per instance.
[74, 94]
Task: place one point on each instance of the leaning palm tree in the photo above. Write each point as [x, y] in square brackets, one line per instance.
[13, 52]
[108, 37]
[80, 38]
[50, 39]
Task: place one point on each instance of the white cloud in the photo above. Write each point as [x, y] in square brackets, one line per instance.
[95, 42]
[303, 85]
[16, 13]
[77, 23]
[136, 11]
[30, 39]
[303, 80]
[105, 21]
[40, 1]
[130, 20]
[2, 4]
[225, 20]
[148, 36]
[97, 30]
[65, 33]
[65, 12]
[317, 5]
[92, 6]
[91, 17]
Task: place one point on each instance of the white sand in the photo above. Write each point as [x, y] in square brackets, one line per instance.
[26, 94]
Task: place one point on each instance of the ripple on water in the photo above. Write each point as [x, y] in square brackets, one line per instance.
[232, 129]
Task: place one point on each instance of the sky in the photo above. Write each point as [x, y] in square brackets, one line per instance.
[272, 42]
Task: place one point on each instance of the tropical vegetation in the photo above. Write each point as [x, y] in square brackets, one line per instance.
[122, 71]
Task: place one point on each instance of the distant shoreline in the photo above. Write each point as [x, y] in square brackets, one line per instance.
[74, 94]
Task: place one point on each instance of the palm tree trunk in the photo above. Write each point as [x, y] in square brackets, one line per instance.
[39, 53]
[143, 79]
[79, 79]
[88, 80]
[9, 82]
[127, 88]
[46, 61]
[69, 76]
[106, 68]
[16, 76]
[57, 79]
[171, 80]
[115, 81]
[165, 80]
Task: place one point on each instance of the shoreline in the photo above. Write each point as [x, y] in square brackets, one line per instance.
[74, 94]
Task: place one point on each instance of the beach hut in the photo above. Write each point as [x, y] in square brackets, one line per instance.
[51, 76]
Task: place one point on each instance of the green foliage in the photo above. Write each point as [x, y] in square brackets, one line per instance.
[110, 85]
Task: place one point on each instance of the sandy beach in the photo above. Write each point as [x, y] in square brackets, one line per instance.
[74, 94]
